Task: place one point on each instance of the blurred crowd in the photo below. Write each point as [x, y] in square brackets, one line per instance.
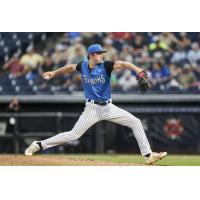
[172, 60]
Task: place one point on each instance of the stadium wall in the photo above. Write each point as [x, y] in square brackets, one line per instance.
[171, 123]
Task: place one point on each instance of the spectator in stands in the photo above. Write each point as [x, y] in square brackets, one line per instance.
[48, 63]
[143, 49]
[174, 69]
[157, 48]
[71, 83]
[76, 83]
[144, 59]
[14, 67]
[32, 62]
[67, 81]
[168, 39]
[196, 69]
[186, 77]
[160, 74]
[184, 41]
[194, 53]
[71, 51]
[127, 81]
[90, 38]
[59, 57]
[126, 53]
[138, 44]
[78, 55]
[14, 105]
[74, 35]
[114, 81]
[123, 36]
[179, 56]
[111, 50]
[156, 44]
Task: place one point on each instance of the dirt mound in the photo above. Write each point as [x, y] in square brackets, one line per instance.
[55, 160]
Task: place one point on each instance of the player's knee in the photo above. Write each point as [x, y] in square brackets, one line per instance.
[74, 136]
[137, 122]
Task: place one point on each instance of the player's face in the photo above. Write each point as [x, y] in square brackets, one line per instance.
[98, 57]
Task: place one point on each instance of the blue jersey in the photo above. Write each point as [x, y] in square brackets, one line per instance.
[96, 81]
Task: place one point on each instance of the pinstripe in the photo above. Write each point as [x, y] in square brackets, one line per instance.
[124, 118]
[94, 113]
[85, 121]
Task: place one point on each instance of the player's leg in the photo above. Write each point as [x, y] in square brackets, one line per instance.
[120, 116]
[85, 121]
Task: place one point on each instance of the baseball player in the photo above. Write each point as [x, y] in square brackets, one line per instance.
[95, 75]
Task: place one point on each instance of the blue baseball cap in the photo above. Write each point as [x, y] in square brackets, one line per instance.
[95, 48]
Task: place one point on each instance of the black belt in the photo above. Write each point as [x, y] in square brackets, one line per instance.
[99, 103]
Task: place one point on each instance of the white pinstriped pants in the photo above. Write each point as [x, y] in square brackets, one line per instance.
[94, 113]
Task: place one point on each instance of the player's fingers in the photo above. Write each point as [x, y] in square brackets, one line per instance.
[46, 75]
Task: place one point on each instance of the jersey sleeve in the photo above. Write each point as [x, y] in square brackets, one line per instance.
[109, 67]
[78, 67]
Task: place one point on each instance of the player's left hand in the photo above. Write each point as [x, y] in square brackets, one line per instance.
[142, 80]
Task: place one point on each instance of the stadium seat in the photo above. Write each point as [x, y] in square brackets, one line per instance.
[194, 89]
[5, 80]
[44, 91]
[10, 42]
[25, 90]
[21, 80]
[8, 90]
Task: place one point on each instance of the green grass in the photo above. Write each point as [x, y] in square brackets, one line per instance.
[170, 160]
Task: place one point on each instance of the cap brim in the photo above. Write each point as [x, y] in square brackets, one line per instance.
[101, 52]
[97, 52]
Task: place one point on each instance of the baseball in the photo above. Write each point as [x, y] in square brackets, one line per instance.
[47, 77]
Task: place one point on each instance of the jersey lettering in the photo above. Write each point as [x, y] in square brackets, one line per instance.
[93, 81]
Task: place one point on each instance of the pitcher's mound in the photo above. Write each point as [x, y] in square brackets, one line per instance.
[56, 160]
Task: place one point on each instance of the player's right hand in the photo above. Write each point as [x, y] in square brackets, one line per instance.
[48, 75]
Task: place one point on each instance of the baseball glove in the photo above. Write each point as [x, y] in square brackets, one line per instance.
[142, 80]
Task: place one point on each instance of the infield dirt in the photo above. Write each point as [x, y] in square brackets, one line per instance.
[56, 160]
